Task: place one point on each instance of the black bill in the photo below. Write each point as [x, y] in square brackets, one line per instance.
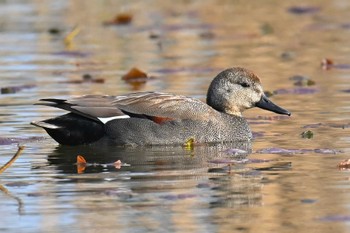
[267, 104]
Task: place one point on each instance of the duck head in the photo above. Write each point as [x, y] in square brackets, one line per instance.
[236, 89]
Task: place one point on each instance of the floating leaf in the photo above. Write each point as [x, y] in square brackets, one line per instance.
[54, 31]
[81, 164]
[117, 164]
[136, 78]
[327, 63]
[307, 134]
[134, 74]
[68, 39]
[268, 93]
[81, 159]
[300, 80]
[120, 19]
[189, 143]
[154, 35]
[345, 164]
[15, 89]
[287, 55]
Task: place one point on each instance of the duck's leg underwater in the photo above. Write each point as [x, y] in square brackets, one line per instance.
[72, 129]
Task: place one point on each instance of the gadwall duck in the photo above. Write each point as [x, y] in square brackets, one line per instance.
[155, 118]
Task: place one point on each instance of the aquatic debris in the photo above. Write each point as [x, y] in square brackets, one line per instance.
[296, 91]
[82, 164]
[154, 35]
[287, 55]
[54, 31]
[344, 165]
[13, 159]
[268, 93]
[327, 64]
[300, 80]
[120, 19]
[136, 78]
[87, 78]
[275, 150]
[300, 10]
[307, 134]
[68, 39]
[15, 89]
[134, 74]
[189, 144]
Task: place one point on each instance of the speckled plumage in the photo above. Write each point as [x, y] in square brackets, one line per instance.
[153, 118]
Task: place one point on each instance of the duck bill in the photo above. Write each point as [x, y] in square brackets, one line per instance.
[267, 104]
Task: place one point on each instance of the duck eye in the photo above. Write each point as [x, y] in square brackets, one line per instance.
[244, 84]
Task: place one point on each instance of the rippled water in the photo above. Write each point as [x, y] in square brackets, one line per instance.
[287, 184]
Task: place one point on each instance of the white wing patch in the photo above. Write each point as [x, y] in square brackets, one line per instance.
[104, 120]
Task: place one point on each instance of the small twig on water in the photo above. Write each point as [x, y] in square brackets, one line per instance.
[19, 151]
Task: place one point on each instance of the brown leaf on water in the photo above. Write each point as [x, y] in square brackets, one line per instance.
[10, 162]
[327, 64]
[81, 164]
[120, 19]
[301, 80]
[118, 164]
[136, 78]
[344, 165]
[134, 74]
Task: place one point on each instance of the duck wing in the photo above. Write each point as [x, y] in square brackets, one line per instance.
[156, 106]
